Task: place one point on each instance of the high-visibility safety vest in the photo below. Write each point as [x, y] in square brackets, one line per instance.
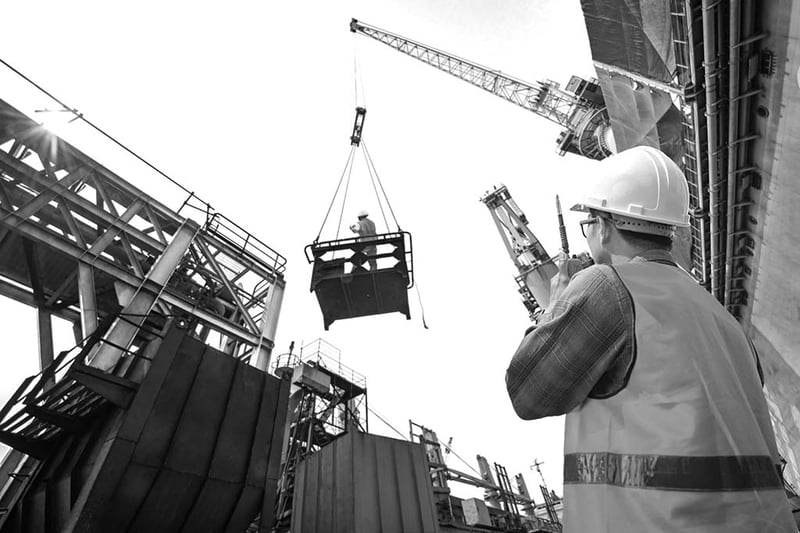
[687, 445]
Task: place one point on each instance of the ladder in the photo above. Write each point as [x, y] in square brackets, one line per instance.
[507, 497]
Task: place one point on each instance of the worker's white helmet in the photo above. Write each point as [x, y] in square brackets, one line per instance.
[643, 189]
[363, 213]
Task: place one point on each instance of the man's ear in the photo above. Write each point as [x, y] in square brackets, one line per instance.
[606, 228]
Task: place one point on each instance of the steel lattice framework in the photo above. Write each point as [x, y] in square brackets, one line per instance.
[78, 241]
[582, 120]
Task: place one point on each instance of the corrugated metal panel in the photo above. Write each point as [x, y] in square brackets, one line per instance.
[364, 483]
[198, 449]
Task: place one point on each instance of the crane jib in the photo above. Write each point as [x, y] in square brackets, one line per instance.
[579, 107]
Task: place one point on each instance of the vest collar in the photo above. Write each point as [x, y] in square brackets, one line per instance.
[656, 256]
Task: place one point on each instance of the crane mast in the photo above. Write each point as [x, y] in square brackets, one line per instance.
[579, 109]
[534, 264]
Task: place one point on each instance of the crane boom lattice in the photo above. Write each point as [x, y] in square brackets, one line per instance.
[580, 109]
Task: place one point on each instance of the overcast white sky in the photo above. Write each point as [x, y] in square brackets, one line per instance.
[250, 104]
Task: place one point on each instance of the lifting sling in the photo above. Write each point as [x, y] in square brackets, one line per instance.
[365, 275]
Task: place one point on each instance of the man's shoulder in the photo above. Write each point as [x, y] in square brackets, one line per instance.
[597, 282]
[595, 274]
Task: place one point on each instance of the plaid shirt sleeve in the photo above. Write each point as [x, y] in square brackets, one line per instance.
[583, 347]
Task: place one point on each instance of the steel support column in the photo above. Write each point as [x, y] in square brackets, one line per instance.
[44, 326]
[269, 323]
[86, 297]
[122, 332]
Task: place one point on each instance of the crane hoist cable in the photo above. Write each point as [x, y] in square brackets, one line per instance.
[355, 140]
[358, 81]
[344, 196]
[373, 174]
[346, 171]
[377, 185]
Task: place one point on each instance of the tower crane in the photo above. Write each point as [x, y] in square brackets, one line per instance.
[579, 108]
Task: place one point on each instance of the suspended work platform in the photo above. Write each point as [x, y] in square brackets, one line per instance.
[347, 285]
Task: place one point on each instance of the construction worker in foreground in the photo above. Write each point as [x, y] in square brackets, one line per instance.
[667, 428]
[366, 228]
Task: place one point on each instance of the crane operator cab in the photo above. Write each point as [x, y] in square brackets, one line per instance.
[368, 273]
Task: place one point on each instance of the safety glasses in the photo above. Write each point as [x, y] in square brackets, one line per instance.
[587, 222]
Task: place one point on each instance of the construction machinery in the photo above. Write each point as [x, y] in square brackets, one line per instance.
[578, 108]
[501, 509]
[534, 264]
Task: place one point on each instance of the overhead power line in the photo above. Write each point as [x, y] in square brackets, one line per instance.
[80, 116]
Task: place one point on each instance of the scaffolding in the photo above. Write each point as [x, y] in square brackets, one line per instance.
[328, 399]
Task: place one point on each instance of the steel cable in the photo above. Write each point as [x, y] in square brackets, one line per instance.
[388, 204]
[80, 116]
[344, 171]
[375, 188]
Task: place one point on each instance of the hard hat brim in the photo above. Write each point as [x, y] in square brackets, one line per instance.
[586, 208]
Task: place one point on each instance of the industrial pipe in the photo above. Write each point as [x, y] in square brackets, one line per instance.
[733, 133]
[741, 22]
[698, 165]
[712, 76]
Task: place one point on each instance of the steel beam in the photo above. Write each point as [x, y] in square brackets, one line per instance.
[87, 299]
[25, 296]
[269, 323]
[45, 197]
[28, 176]
[129, 214]
[122, 332]
[30, 229]
[44, 326]
[231, 289]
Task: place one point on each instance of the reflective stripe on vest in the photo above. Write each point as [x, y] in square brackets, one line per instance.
[669, 472]
[687, 445]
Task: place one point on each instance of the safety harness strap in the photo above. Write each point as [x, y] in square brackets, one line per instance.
[669, 472]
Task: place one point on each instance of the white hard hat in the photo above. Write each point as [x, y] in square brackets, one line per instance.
[363, 213]
[643, 189]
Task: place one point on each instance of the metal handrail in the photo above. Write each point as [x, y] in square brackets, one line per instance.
[221, 226]
[373, 240]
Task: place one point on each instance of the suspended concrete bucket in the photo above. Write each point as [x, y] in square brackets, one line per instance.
[362, 276]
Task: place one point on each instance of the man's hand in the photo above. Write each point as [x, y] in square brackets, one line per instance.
[560, 281]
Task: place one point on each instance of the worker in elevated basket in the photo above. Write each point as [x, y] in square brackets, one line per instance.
[366, 228]
[667, 428]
